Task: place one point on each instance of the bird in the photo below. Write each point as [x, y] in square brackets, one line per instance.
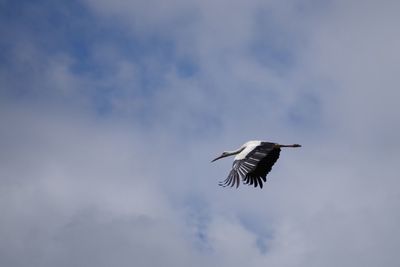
[253, 161]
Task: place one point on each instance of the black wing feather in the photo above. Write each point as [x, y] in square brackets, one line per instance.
[265, 165]
[233, 177]
[254, 168]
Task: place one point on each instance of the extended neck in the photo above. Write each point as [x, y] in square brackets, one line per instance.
[234, 152]
[229, 153]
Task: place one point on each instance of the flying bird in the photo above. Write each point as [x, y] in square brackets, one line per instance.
[253, 161]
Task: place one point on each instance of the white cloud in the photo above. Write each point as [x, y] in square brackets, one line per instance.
[135, 186]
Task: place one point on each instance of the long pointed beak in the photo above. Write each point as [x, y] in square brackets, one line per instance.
[217, 158]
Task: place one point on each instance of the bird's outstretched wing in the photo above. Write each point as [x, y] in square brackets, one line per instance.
[254, 168]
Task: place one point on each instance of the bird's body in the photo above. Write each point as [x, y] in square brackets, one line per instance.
[248, 147]
[252, 163]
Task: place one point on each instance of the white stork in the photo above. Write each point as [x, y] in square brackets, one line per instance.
[252, 163]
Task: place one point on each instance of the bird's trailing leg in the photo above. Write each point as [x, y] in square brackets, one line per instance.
[294, 145]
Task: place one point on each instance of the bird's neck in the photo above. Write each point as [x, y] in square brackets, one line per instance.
[234, 152]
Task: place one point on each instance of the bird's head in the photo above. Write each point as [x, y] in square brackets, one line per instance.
[223, 155]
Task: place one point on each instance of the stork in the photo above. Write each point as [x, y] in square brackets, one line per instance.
[253, 161]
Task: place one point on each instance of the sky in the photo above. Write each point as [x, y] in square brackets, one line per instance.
[111, 111]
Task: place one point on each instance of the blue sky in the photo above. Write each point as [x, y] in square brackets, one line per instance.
[112, 110]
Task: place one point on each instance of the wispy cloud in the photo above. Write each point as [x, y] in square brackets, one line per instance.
[111, 112]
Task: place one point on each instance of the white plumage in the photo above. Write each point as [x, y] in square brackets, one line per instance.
[248, 147]
[252, 163]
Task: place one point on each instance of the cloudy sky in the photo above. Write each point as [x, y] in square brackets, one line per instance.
[110, 112]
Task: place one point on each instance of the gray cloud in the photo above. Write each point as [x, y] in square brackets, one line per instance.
[109, 165]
